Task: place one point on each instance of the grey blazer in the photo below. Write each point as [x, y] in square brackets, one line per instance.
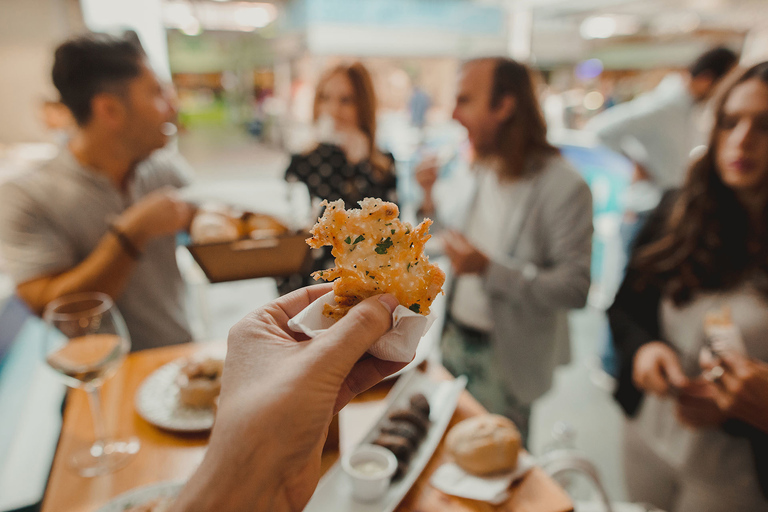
[545, 273]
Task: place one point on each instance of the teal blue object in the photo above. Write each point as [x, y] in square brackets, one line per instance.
[458, 16]
[17, 372]
[608, 175]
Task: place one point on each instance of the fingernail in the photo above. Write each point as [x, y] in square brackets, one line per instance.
[389, 301]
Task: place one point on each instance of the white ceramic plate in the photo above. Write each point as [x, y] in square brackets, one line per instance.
[334, 492]
[157, 401]
[141, 496]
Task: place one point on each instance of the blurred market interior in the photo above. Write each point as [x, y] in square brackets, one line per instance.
[244, 74]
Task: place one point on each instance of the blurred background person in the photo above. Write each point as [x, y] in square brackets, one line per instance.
[58, 120]
[418, 107]
[101, 216]
[658, 131]
[704, 251]
[344, 162]
[519, 242]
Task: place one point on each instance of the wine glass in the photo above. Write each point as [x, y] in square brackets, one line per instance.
[86, 342]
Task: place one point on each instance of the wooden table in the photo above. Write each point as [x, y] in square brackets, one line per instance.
[165, 456]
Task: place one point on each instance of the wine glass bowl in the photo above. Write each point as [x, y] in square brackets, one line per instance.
[86, 342]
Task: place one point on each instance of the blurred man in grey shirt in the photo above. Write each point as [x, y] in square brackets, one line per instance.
[102, 215]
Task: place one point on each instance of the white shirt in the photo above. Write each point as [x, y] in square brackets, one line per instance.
[657, 130]
[496, 203]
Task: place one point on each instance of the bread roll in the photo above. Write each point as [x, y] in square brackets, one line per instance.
[484, 444]
[259, 225]
[212, 227]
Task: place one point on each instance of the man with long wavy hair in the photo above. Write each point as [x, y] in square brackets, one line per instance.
[519, 244]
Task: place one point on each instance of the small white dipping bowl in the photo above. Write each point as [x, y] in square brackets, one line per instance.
[370, 469]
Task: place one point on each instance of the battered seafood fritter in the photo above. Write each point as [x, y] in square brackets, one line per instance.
[375, 253]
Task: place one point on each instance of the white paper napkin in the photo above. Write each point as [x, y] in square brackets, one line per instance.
[451, 479]
[399, 344]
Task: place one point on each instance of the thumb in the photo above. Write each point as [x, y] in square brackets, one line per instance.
[348, 339]
[673, 371]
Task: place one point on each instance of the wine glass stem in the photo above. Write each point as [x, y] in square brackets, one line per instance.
[94, 397]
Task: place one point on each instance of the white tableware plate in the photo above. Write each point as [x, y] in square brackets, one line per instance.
[334, 492]
[157, 401]
[142, 495]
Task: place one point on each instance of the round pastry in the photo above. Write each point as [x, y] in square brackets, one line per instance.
[212, 227]
[200, 382]
[259, 225]
[412, 416]
[402, 469]
[400, 446]
[420, 403]
[484, 444]
[402, 429]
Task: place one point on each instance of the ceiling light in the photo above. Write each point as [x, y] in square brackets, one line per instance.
[593, 100]
[609, 25]
[676, 23]
[258, 16]
[192, 27]
[589, 69]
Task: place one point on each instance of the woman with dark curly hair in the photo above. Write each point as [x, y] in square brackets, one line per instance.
[696, 438]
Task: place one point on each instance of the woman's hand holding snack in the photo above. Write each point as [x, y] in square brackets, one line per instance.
[657, 370]
[696, 405]
[742, 389]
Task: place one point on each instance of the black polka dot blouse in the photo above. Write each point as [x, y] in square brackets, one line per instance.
[329, 175]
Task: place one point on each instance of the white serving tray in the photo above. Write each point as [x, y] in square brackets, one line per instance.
[334, 492]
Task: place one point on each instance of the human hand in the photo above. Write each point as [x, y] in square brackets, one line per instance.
[279, 393]
[159, 213]
[465, 257]
[426, 173]
[656, 369]
[742, 389]
[426, 176]
[696, 405]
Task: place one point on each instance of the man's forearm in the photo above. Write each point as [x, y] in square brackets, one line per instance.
[107, 269]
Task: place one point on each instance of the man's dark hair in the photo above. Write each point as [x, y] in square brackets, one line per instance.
[522, 139]
[716, 62]
[92, 64]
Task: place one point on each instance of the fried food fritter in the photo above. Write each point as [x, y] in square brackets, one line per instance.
[375, 253]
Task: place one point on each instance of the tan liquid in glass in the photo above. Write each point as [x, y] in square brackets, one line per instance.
[89, 360]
